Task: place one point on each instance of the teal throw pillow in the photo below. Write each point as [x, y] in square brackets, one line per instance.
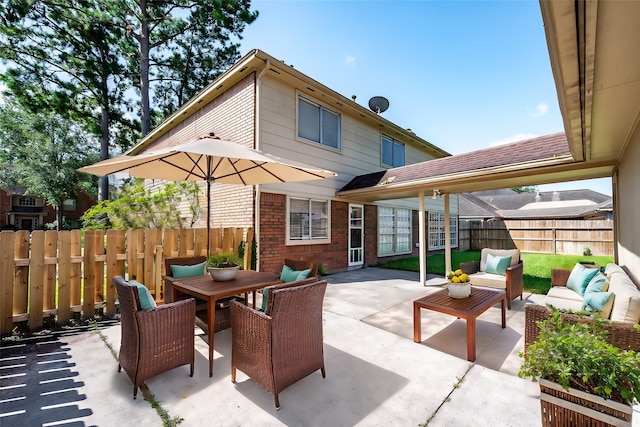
[265, 296]
[596, 284]
[497, 264]
[580, 277]
[289, 275]
[146, 299]
[184, 271]
[595, 301]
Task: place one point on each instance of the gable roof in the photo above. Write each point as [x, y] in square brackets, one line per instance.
[259, 62]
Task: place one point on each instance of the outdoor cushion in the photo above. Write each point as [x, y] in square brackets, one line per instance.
[496, 264]
[597, 284]
[565, 293]
[626, 305]
[563, 303]
[580, 277]
[184, 271]
[599, 301]
[613, 268]
[513, 253]
[290, 275]
[146, 299]
[489, 280]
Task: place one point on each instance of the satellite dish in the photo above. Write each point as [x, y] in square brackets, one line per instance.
[378, 104]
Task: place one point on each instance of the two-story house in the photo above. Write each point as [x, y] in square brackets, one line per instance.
[21, 211]
[263, 103]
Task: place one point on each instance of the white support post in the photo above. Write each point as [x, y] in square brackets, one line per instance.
[422, 240]
[447, 234]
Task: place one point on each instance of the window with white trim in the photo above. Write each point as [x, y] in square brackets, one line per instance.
[318, 124]
[27, 201]
[394, 231]
[308, 219]
[437, 233]
[392, 152]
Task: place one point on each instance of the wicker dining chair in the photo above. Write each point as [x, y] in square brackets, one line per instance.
[284, 344]
[154, 340]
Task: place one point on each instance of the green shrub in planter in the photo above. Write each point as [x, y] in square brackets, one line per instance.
[577, 356]
[224, 260]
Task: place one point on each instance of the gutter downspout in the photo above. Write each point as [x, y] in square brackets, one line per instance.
[256, 141]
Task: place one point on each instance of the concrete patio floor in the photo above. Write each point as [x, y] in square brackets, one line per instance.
[376, 374]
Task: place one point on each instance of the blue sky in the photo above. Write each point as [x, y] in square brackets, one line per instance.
[464, 75]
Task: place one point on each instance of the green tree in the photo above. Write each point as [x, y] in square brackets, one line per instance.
[65, 57]
[41, 153]
[179, 47]
[135, 206]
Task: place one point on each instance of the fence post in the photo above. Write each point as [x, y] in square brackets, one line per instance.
[7, 243]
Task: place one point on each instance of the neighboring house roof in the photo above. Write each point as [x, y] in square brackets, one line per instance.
[551, 204]
[405, 181]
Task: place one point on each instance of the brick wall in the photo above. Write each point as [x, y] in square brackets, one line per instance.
[273, 248]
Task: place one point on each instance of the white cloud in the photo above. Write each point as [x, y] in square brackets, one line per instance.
[513, 138]
[350, 60]
[540, 110]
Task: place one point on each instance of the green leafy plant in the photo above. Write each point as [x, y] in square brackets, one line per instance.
[587, 251]
[578, 356]
[224, 260]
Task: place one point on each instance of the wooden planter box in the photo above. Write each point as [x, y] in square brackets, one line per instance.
[576, 408]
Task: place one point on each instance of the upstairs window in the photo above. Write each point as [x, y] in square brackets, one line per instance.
[392, 152]
[318, 124]
[27, 201]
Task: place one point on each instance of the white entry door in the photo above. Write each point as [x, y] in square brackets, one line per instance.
[356, 235]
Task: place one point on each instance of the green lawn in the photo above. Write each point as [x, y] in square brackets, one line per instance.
[537, 267]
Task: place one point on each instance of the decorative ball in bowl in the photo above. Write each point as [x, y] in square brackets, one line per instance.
[223, 274]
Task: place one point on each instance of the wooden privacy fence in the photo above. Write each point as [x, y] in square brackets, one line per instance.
[540, 236]
[51, 273]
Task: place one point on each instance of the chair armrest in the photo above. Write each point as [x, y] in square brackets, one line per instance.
[559, 277]
[470, 267]
[514, 281]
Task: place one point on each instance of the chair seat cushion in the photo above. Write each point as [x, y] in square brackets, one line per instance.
[488, 279]
[565, 293]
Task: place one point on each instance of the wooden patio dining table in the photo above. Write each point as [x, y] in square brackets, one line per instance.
[204, 287]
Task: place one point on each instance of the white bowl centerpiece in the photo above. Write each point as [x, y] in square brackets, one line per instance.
[223, 267]
[459, 284]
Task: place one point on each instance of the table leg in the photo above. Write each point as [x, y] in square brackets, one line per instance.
[504, 312]
[417, 323]
[471, 339]
[211, 321]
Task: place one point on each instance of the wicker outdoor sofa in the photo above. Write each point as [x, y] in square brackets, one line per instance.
[622, 334]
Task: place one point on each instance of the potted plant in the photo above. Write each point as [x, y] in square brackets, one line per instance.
[581, 373]
[459, 284]
[223, 267]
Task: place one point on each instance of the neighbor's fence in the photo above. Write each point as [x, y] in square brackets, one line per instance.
[51, 273]
[540, 236]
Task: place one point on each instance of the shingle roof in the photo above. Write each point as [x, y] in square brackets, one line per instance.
[540, 148]
[471, 206]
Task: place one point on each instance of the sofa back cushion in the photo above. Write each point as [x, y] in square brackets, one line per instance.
[513, 253]
[626, 303]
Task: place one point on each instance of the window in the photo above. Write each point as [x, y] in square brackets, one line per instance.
[308, 220]
[69, 205]
[394, 231]
[318, 124]
[392, 152]
[27, 201]
[436, 230]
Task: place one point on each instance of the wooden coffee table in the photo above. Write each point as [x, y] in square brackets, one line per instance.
[470, 308]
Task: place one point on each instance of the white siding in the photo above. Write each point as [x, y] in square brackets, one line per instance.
[627, 208]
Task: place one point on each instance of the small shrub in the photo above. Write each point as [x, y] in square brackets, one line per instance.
[224, 260]
[587, 251]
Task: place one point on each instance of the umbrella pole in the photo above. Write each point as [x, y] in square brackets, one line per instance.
[208, 215]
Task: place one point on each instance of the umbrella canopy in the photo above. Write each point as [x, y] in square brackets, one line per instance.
[209, 159]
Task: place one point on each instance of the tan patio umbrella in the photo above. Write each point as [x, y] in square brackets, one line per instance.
[212, 160]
